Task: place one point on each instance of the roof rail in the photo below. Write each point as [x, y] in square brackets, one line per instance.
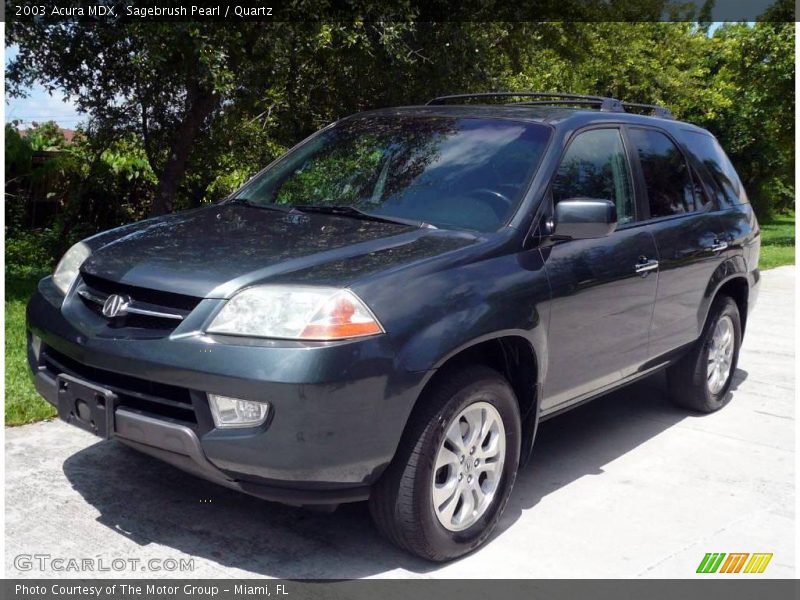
[658, 111]
[551, 98]
[609, 104]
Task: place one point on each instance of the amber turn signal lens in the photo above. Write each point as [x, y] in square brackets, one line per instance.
[343, 316]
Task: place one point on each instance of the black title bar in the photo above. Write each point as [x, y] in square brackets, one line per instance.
[416, 589]
[114, 11]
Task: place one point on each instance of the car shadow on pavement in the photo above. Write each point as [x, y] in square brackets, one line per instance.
[581, 441]
[150, 502]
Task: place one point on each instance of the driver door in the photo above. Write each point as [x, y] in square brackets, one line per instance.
[603, 290]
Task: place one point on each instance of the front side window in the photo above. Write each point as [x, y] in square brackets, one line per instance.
[668, 183]
[594, 166]
[461, 173]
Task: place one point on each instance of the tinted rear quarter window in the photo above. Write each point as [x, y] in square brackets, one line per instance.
[668, 184]
[725, 183]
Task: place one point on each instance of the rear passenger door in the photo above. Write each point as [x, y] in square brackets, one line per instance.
[688, 235]
[603, 290]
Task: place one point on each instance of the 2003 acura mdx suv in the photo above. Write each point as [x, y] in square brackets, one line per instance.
[387, 311]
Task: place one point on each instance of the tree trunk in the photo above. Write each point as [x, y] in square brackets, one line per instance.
[200, 103]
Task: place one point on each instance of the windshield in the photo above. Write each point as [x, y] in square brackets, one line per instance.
[449, 172]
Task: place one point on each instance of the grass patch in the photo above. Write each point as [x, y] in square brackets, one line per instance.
[777, 242]
[23, 403]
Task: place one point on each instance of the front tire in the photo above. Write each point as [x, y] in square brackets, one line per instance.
[701, 380]
[445, 490]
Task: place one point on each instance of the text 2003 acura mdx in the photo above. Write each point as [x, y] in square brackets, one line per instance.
[388, 310]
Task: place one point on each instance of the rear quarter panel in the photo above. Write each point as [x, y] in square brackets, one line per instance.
[740, 224]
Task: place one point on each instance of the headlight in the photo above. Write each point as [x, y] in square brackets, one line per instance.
[297, 313]
[67, 270]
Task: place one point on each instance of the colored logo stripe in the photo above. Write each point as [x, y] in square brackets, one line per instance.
[733, 564]
[711, 562]
[758, 563]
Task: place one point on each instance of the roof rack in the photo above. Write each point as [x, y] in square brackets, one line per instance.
[658, 111]
[550, 99]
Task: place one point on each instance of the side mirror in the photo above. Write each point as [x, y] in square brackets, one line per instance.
[584, 218]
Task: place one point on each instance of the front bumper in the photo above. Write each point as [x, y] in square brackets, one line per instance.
[337, 409]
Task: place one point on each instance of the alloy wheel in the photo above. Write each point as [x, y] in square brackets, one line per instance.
[720, 355]
[469, 466]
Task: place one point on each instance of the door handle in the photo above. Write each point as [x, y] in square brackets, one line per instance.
[718, 245]
[645, 265]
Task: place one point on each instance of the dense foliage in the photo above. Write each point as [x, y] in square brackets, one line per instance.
[182, 113]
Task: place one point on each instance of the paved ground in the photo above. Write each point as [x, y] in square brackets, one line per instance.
[625, 486]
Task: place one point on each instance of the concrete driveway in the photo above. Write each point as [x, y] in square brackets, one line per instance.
[626, 486]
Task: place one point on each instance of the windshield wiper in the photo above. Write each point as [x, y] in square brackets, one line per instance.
[250, 203]
[350, 211]
[345, 211]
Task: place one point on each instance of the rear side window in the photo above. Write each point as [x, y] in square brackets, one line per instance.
[594, 166]
[701, 198]
[666, 175]
[726, 184]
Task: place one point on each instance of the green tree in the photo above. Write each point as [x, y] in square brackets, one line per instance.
[18, 154]
[210, 104]
[45, 136]
[753, 68]
[162, 81]
[170, 83]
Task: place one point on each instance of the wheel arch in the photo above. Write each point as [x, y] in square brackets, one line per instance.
[730, 279]
[738, 289]
[513, 356]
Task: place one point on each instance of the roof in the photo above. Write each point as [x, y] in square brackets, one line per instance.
[69, 134]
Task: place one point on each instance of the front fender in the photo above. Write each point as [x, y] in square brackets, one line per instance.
[434, 317]
[504, 296]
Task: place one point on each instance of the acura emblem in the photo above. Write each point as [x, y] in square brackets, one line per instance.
[115, 306]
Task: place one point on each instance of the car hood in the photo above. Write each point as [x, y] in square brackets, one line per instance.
[213, 251]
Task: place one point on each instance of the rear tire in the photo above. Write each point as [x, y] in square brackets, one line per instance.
[406, 503]
[701, 380]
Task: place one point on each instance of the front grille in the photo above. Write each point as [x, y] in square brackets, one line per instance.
[158, 399]
[156, 297]
[149, 309]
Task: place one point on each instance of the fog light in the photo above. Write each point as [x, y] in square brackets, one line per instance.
[233, 412]
[36, 346]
